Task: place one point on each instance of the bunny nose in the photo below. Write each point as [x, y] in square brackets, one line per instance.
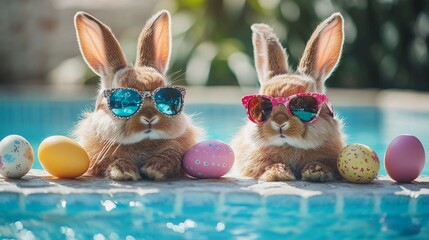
[280, 116]
[148, 112]
[282, 126]
[149, 121]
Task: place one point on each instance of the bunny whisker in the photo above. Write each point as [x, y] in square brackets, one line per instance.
[176, 77]
[104, 150]
[116, 149]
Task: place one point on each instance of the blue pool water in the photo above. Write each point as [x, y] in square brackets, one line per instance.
[211, 215]
[158, 216]
[36, 120]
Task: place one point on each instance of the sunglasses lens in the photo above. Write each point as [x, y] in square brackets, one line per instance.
[260, 109]
[125, 102]
[304, 107]
[168, 101]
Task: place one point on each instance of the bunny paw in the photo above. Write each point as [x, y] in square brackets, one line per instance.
[277, 172]
[122, 173]
[153, 173]
[316, 172]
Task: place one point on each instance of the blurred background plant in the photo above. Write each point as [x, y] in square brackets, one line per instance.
[386, 41]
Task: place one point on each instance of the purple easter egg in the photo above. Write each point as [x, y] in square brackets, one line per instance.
[405, 158]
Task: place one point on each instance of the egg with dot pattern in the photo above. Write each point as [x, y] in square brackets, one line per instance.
[358, 163]
[208, 159]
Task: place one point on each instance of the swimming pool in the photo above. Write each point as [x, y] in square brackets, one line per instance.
[210, 209]
[36, 120]
[41, 208]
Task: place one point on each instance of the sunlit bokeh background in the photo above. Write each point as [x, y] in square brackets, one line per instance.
[386, 41]
[44, 80]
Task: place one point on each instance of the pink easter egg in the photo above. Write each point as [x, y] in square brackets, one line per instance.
[208, 159]
[405, 158]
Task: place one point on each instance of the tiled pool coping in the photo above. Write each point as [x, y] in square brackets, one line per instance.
[381, 195]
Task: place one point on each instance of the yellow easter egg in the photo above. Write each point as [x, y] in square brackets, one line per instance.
[358, 163]
[62, 157]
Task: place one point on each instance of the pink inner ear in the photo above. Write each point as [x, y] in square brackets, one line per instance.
[92, 43]
[259, 55]
[162, 42]
[329, 47]
[270, 57]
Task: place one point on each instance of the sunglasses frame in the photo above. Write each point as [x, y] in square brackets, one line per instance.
[145, 94]
[320, 98]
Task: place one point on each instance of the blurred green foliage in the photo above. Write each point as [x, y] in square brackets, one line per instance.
[386, 41]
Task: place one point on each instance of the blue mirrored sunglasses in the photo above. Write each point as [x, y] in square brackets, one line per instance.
[125, 102]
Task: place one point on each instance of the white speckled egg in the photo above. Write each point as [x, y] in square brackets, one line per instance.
[208, 159]
[16, 156]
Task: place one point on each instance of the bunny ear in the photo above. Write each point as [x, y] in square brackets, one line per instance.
[270, 57]
[154, 44]
[98, 45]
[323, 50]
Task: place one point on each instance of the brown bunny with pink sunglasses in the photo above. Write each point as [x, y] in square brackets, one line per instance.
[293, 132]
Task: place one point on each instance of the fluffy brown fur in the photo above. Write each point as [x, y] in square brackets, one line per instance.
[148, 144]
[284, 148]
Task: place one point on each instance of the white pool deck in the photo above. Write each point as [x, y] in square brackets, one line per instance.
[39, 181]
[382, 193]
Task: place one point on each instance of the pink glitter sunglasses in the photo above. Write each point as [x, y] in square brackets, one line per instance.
[305, 106]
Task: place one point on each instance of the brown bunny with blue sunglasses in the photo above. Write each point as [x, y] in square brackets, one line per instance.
[137, 128]
[293, 132]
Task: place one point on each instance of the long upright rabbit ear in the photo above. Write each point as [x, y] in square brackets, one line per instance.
[153, 49]
[98, 46]
[323, 50]
[270, 57]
